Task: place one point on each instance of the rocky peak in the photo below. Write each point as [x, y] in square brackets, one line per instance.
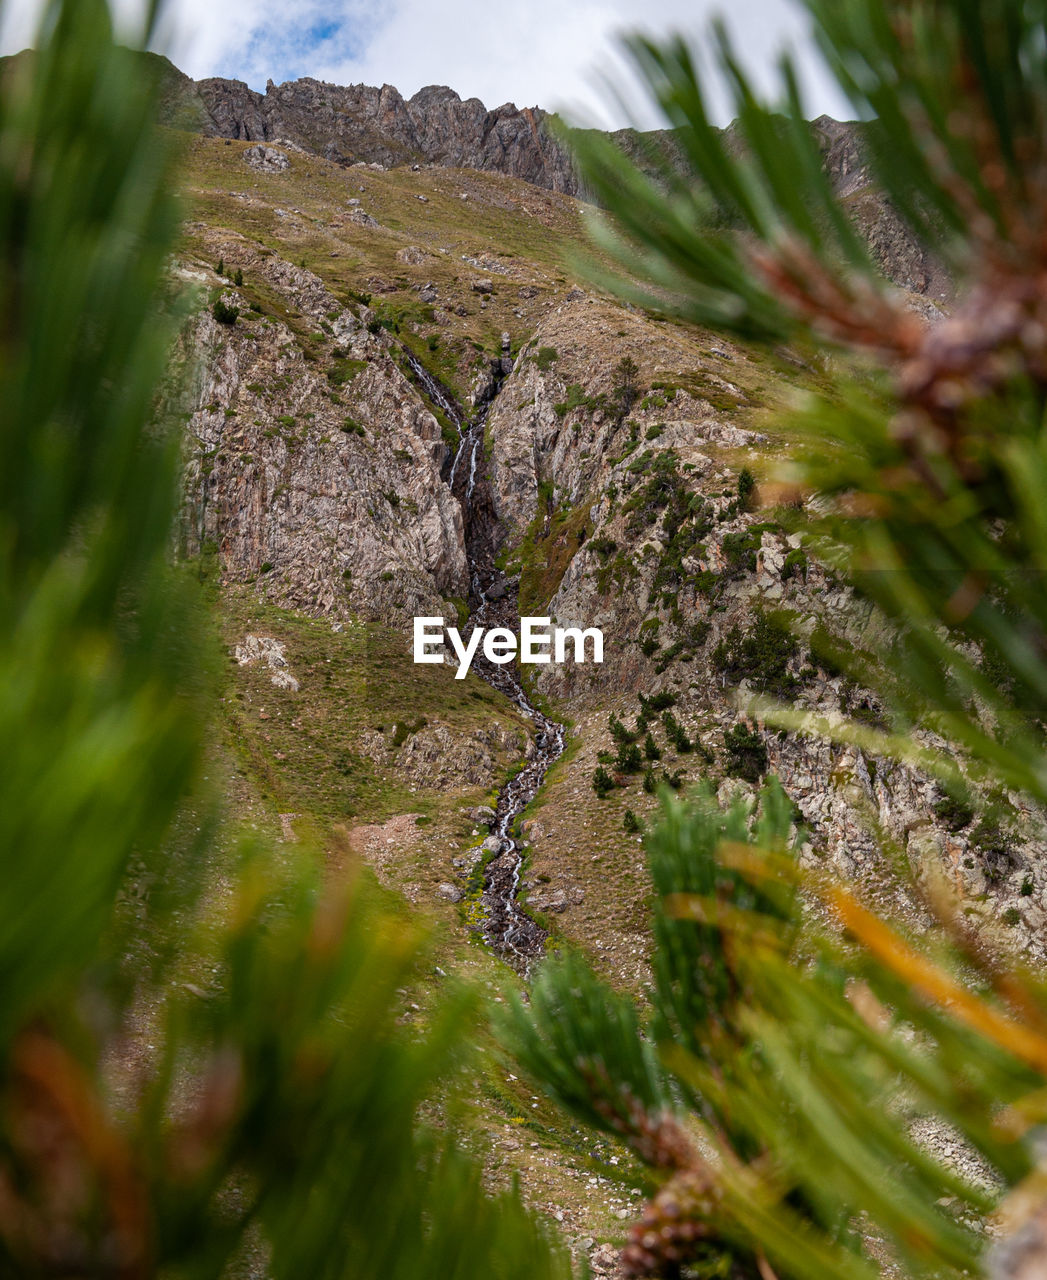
[434, 93]
[355, 123]
[841, 146]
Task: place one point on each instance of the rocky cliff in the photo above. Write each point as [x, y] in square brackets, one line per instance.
[319, 478]
[327, 510]
[359, 124]
[365, 125]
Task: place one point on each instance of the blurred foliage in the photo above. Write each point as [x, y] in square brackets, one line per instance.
[271, 1119]
[818, 1093]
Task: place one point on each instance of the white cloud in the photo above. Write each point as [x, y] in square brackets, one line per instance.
[548, 52]
[544, 53]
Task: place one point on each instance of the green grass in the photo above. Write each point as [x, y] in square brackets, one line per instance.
[304, 747]
[543, 554]
[530, 230]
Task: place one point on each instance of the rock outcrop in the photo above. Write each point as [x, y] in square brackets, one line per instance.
[315, 473]
[361, 124]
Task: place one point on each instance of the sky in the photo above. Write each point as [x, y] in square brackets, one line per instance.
[549, 53]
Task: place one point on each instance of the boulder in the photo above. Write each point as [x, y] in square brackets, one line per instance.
[265, 159]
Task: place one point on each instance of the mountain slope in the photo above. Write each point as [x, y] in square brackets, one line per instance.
[364, 125]
[375, 309]
[319, 466]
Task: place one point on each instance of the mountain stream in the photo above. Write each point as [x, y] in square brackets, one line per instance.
[493, 603]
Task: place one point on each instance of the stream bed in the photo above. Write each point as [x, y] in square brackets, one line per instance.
[492, 603]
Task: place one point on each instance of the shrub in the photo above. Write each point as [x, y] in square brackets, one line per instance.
[650, 747]
[990, 838]
[224, 313]
[827, 652]
[343, 370]
[630, 822]
[404, 729]
[746, 753]
[648, 638]
[576, 398]
[760, 655]
[629, 759]
[739, 551]
[624, 387]
[603, 783]
[953, 812]
[619, 732]
[795, 564]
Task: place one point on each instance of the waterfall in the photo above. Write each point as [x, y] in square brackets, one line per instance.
[507, 927]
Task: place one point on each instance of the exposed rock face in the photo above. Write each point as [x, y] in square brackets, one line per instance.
[266, 159]
[359, 123]
[578, 482]
[332, 512]
[842, 154]
[535, 439]
[270, 653]
[899, 254]
[435, 757]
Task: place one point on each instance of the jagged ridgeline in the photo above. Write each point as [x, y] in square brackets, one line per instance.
[361, 124]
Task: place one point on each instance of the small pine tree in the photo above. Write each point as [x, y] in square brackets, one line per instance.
[220, 269]
[603, 782]
[746, 753]
[624, 388]
[238, 278]
[224, 313]
[630, 822]
[650, 748]
[619, 732]
[746, 489]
